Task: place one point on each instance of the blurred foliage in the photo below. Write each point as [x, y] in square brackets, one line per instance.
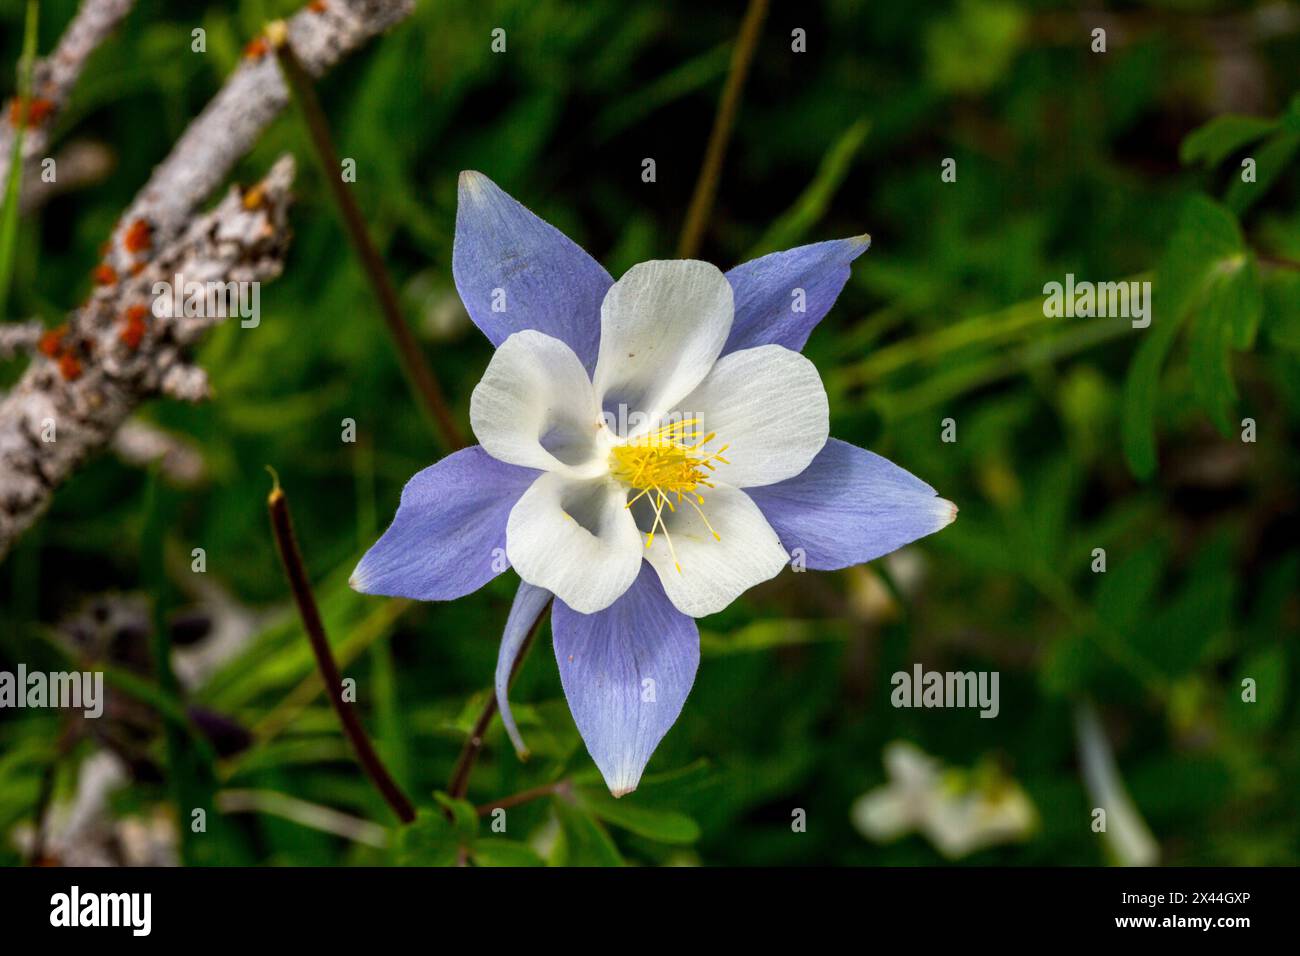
[1073, 433]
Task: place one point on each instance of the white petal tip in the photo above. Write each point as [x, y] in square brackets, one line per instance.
[863, 240]
[617, 792]
[355, 582]
[951, 512]
[472, 182]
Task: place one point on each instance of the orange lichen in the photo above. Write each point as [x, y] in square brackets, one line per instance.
[69, 366]
[317, 6]
[31, 113]
[139, 236]
[133, 326]
[52, 341]
[256, 48]
[105, 274]
[254, 196]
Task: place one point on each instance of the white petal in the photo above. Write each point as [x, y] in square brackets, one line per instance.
[575, 538]
[535, 407]
[768, 406]
[884, 813]
[713, 572]
[661, 328]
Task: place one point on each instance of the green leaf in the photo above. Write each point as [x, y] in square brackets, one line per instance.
[583, 841]
[1141, 388]
[1270, 160]
[689, 77]
[1185, 629]
[768, 634]
[1222, 136]
[432, 840]
[1267, 668]
[1125, 592]
[506, 853]
[971, 49]
[463, 815]
[666, 826]
[1228, 317]
[794, 224]
[1205, 251]
[1281, 315]
[1291, 118]
[1068, 664]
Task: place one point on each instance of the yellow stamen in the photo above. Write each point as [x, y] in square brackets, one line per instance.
[669, 462]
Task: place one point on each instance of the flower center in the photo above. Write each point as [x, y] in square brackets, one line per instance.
[668, 466]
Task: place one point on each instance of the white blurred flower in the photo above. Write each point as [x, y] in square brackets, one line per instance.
[82, 830]
[959, 811]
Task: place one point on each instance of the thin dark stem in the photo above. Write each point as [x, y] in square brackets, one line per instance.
[706, 187]
[46, 793]
[418, 372]
[1280, 262]
[525, 796]
[282, 524]
[474, 743]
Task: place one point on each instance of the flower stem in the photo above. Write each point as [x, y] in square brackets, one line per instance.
[1279, 262]
[282, 524]
[525, 796]
[474, 743]
[706, 187]
[419, 375]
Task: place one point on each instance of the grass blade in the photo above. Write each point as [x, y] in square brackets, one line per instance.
[13, 183]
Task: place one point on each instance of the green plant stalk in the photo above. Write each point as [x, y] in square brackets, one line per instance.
[706, 186]
[991, 368]
[418, 373]
[13, 184]
[793, 224]
[990, 328]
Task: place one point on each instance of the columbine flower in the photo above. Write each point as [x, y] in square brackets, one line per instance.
[649, 449]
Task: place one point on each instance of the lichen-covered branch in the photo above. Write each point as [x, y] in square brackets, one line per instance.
[145, 445]
[52, 81]
[234, 119]
[19, 338]
[79, 164]
[94, 371]
[114, 352]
